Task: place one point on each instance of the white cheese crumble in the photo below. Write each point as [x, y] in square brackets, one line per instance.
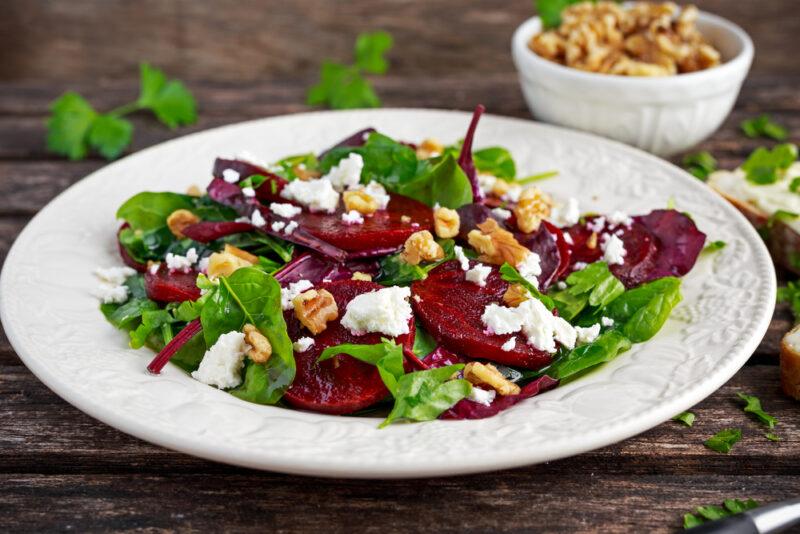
[291, 227]
[501, 320]
[230, 176]
[277, 226]
[568, 238]
[109, 294]
[613, 249]
[378, 193]
[289, 293]
[561, 285]
[154, 268]
[607, 321]
[352, 217]
[482, 396]
[249, 192]
[530, 268]
[486, 182]
[502, 214]
[222, 363]
[510, 344]
[249, 157]
[513, 194]
[317, 195]
[303, 344]
[462, 258]
[347, 173]
[619, 218]
[202, 265]
[539, 325]
[386, 311]
[257, 219]
[479, 274]
[176, 262]
[114, 275]
[597, 224]
[579, 265]
[566, 214]
[284, 210]
[588, 334]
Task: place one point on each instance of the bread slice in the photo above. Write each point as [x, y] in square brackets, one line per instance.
[790, 363]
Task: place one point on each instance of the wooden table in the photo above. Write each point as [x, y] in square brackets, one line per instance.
[61, 470]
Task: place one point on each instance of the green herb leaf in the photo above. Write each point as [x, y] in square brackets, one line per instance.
[69, 125]
[387, 356]
[794, 185]
[764, 126]
[763, 165]
[700, 164]
[791, 294]
[723, 440]
[642, 311]
[370, 51]
[753, 406]
[687, 418]
[286, 166]
[593, 286]
[342, 87]
[550, 11]
[110, 135]
[691, 521]
[385, 160]
[714, 246]
[537, 177]
[149, 210]
[170, 100]
[605, 348]
[512, 276]
[444, 183]
[772, 436]
[152, 320]
[424, 395]
[394, 271]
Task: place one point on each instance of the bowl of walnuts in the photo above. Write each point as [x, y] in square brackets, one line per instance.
[653, 75]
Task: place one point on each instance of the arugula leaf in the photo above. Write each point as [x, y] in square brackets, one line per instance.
[370, 51]
[512, 276]
[764, 126]
[753, 406]
[152, 320]
[605, 348]
[387, 356]
[724, 440]
[550, 11]
[714, 246]
[444, 183]
[642, 311]
[712, 512]
[424, 395]
[593, 286]
[791, 294]
[700, 164]
[794, 185]
[149, 210]
[171, 102]
[762, 166]
[687, 418]
[69, 125]
[394, 271]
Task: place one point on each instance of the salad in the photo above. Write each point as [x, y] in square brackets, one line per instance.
[419, 280]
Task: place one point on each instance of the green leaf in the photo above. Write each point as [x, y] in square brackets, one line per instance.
[110, 135]
[550, 11]
[794, 185]
[691, 521]
[687, 418]
[763, 165]
[170, 100]
[791, 294]
[496, 161]
[69, 125]
[605, 348]
[512, 276]
[713, 512]
[424, 395]
[287, 165]
[342, 87]
[764, 126]
[753, 406]
[537, 177]
[714, 246]
[700, 164]
[387, 356]
[149, 211]
[723, 440]
[593, 286]
[370, 51]
[152, 320]
[735, 506]
[444, 183]
[641, 312]
[772, 436]
[385, 160]
[424, 343]
[394, 271]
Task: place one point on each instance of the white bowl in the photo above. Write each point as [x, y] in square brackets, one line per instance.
[663, 115]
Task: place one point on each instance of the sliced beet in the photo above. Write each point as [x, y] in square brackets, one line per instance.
[384, 228]
[544, 242]
[450, 308]
[268, 191]
[471, 215]
[316, 268]
[467, 409]
[679, 242]
[171, 286]
[127, 259]
[208, 231]
[342, 384]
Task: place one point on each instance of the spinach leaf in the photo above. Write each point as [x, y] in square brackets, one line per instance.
[190, 354]
[605, 348]
[550, 11]
[126, 316]
[687, 418]
[592, 286]
[753, 406]
[387, 356]
[724, 440]
[260, 245]
[641, 312]
[149, 211]
[424, 343]
[512, 276]
[286, 166]
[496, 161]
[394, 271]
[152, 320]
[424, 395]
[443, 183]
[146, 245]
[385, 160]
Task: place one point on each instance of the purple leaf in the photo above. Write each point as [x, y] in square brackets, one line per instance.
[465, 157]
[355, 140]
[679, 242]
[467, 409]
[208, 231]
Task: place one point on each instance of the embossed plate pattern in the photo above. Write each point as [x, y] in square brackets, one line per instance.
[53, 322]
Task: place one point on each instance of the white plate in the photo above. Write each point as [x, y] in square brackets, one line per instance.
[53, 322]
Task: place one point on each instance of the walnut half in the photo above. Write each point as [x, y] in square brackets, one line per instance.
[420, 246]
[496, 245]
[446, 222]
[314, 309]
[260, 347]
[480, 374]
[178, 220]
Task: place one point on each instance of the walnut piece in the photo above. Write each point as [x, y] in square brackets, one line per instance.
[420, 246]
[304, 174]
[260, 348]
[314, 309]
[194, 191]
[591, 242]
[532, 208]
[360, 201]
[178, 220]
[495, 245]
[429, 148]
[358, 275]
[446, 222]
[480, 374]
[225, 263]
[515, 295]
[242, 254]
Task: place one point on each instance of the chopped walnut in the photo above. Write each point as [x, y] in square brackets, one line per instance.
[480, 374]
[239, 253]
[225, 263]
[446, 222]
[532, 208]
[178, 220]
[358, 275]
[420, 246]
[314, 309]
[495, 245]
[429, 148]
[500, 187]
[360, 201]
[591, 243]
[304, 174]
[515, 295]
[194, 191]
[260, 348]
[405, 219]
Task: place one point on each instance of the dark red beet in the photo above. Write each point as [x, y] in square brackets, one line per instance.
[441, 357]
[268, 191]
[127, 259]
[208, 231]
[467, 409]
[679, 242]
[315, 269]
[175, 286]
[382, 229]
[544, 242]
[450, 308]
[342, 384]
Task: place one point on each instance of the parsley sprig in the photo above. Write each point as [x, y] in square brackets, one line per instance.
[710, 513]
[700, 164]
[344, 86]
[75, 127]
[764, 126]
[791, 293]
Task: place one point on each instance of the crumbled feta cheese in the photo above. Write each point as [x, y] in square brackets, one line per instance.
[114, 275]
[501, 320]
[566, 214]
[352, 217]
[347, 173]
[378, 192]
[202, 265]
[486, 182]
[482, 396]
[501, 213]
[461, 257]
[513, 194]
[109, 294]
[386, 311]
[289, 293]
[154, 268]
[561, 285]
[568, 238]
[242, 220]
[277, 226]
[222, 363]
[248, 192]
[317, 195]
[607, 321]
[579, 265]
[510, 344]
[230, 176]
[619, 218]
[613, 249]
[588, 334]
[257, 219]
[597, 224]
[479, 274]
[176, 262]
[539, 325]
[303, 344]
[291, 227]
[284, 210]
[530, 267]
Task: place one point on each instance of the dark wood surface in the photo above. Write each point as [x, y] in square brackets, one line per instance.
[61, 470]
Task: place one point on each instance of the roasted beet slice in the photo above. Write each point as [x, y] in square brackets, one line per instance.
[545, 243]
[450, 308]
[268, 191]
[384, 228]
[679, 242]
[467, 409]
[171, 286]
[342, 384]
[316, 268]
[208, 231]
